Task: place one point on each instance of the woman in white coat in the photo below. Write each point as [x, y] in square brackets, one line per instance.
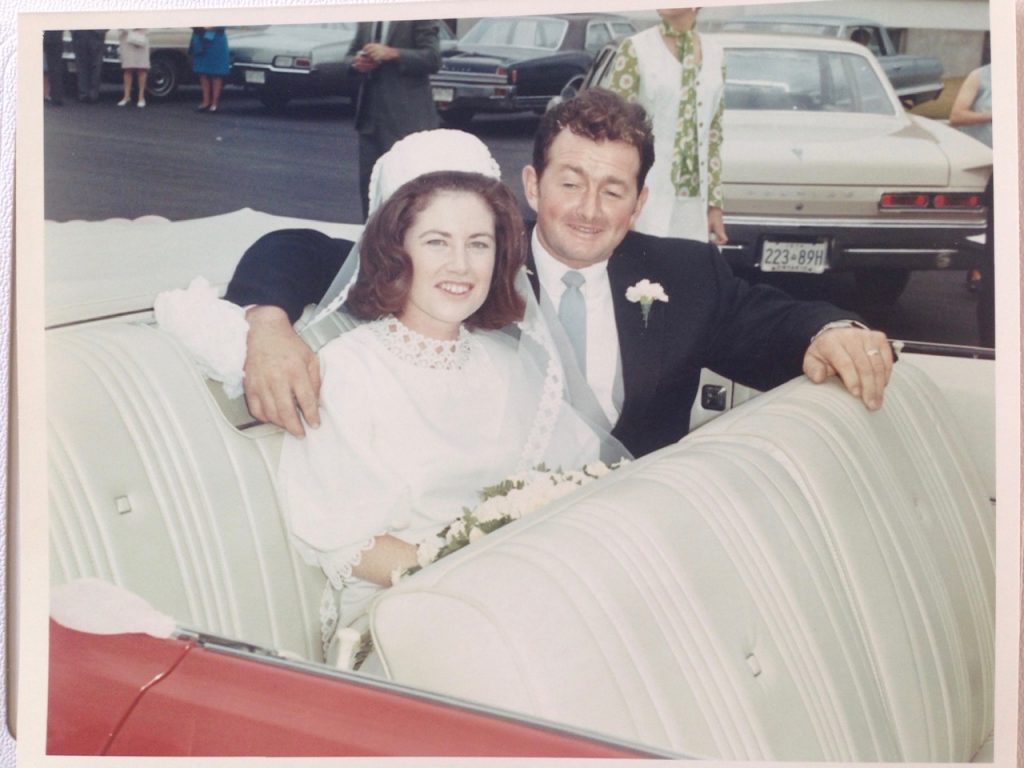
[679, 79]
[134, 50]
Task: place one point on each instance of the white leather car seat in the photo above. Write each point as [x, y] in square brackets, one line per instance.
[152, 489]
[799, 580]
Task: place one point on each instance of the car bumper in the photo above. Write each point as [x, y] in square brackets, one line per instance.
[868, 244]
[479, 97]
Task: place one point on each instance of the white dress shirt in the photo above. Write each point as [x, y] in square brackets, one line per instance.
[602, 333]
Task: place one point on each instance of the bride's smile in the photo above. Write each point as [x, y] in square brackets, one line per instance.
[451, 244]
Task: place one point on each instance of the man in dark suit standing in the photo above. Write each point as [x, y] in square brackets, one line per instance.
[590, 157]
[88, 47]
[396, 59]
[53, 50]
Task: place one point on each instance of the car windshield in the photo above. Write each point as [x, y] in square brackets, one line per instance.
[801, 80]
[530, 32]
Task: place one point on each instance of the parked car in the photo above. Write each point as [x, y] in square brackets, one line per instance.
[823, 170]
[915, 79]
[289, 61]
[169, 64]
[794, 557]
[518, 63]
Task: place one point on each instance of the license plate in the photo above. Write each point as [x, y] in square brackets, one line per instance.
[443, 94]
[785, 256]
[257, 76]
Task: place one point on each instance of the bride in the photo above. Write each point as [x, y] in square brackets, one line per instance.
[448, 383]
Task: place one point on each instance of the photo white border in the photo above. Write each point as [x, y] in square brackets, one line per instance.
[21, 107]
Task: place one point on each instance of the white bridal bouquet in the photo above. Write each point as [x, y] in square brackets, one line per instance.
[501, 504]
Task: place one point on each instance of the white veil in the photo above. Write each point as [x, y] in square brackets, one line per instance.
[565, 411]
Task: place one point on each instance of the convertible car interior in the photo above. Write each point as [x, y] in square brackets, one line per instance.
[798, 579]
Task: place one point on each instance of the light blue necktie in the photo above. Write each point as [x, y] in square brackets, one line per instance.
[572, 311]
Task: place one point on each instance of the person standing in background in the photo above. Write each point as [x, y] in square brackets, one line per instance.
[134, 46]
[88, 47]
[396, 59]
[211, 60]
[972, 113]
[679, 79]
[972, 108]
[53, 57]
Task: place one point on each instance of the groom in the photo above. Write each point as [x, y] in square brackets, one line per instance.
[591, 155]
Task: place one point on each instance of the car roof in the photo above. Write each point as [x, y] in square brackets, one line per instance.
[797, 18]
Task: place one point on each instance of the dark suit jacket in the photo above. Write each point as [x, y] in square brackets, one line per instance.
[395, 99]
[754, 334]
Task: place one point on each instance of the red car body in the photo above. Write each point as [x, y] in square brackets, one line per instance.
[133, 694]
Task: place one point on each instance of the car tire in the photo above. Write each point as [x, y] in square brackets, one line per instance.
[457, 118]
[881, 287]
[165, 74]
[273, 100]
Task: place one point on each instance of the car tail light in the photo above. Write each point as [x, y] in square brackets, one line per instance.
[904, 200]
[292, 62]
[919, 201]
[513, 76]
[501, 71]
[958, 200]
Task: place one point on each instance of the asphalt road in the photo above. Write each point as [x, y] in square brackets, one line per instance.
[102, 161]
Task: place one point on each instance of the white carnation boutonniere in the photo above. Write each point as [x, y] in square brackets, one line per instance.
[646, 293]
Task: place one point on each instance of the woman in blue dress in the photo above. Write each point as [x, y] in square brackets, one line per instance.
[210, 60]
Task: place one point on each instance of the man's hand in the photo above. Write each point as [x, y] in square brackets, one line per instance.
[379, 52]
[373, 55]
[716, 226]
[280, 372]
[861, 358]
[364, 63]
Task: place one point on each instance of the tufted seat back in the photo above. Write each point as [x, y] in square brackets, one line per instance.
[799, 580]
[152, 489]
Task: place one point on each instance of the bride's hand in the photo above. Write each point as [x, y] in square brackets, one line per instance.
[281, 371]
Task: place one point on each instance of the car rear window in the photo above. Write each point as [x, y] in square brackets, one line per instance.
[518, 33]
[802, 80]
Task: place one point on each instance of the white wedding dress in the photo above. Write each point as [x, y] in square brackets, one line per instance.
[411, 430]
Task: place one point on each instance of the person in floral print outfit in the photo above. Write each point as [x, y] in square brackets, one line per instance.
[679, 79]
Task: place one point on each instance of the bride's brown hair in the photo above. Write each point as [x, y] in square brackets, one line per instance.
[385, 269]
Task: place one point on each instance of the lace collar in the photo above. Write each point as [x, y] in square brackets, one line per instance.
[422, 351]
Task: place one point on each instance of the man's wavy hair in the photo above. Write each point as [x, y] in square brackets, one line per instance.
[600, 115]
[385, 268]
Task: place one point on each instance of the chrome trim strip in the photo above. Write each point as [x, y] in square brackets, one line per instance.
[455, 77]
[820, 223]
[908, 251]
[913, 90]
[946, 350]
[272, 68]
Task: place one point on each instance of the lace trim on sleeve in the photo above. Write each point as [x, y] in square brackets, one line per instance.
[338, 570]
[337, 566]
